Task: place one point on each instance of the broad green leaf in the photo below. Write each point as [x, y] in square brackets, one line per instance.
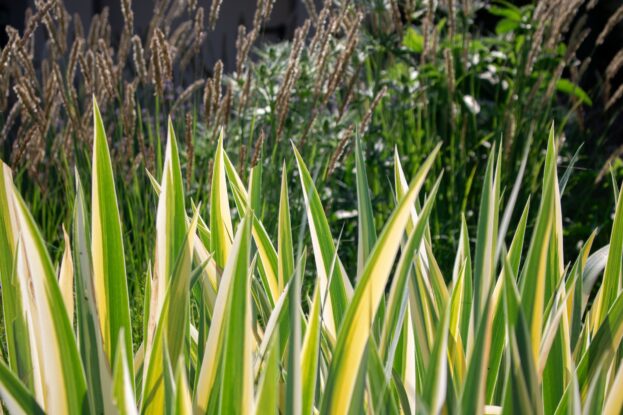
[109, 273]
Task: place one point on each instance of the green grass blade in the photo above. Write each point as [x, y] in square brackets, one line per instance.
[90, 343]
[122, 384]
[109, 273]
[285, 266]
[365, 218]
[310, 354]
[534, 274]
[332, 278]
[62, 372]
[222, 329]
[612, 275]
[220, 217]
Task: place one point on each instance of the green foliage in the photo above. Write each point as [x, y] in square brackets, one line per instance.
[513, 341]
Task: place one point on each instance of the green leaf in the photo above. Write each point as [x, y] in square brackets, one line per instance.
[569, 88]
[90, 343]
[15, 396]
[413, 40]
[365, 218]
[109, 274]
[328, 265]
[220, 217]
[15, 325]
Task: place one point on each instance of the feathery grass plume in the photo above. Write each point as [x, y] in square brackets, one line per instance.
[536, 43]
[129, 110]
[344, 58]
[10, 121]
[48, 22]
[35, 19]
[612, 22]
[78, 26]
[311, 10]
[257, 149]
[187, 93]
[217, 74]
[244, 42]
[63, 17]
[190, 150]
[128, 15]
[427, 31]
[615, 97]
[76, 50]
[66, 97]
[164, 55]
[25, 62]
[449, 63]
[86, 69]
[94, 30]
[155, 66]
[105, 73]
[29, 100]
[215, 8]
[290, 77]
[138, 57]
[320, 28]
[208, 92]
[225, 105]
[339, 150]
[198, 31]
[8, 50]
